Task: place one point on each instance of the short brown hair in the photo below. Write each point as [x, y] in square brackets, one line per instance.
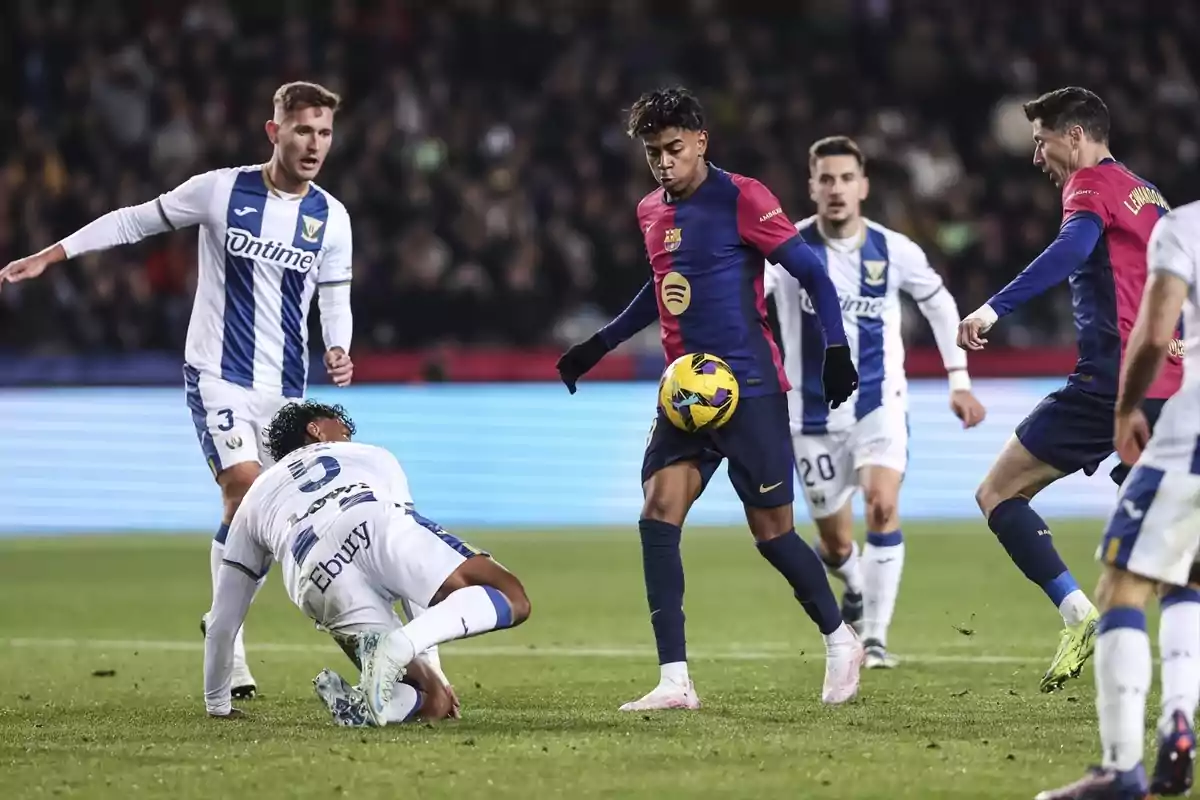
[1070, 106]
[302, 94]
[835, 146]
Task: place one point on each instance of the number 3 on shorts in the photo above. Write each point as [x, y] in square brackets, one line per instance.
[226, 415]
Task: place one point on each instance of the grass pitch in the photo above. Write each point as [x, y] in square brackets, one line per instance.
[101, 695]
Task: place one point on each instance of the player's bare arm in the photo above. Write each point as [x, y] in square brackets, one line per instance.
[1152, 335]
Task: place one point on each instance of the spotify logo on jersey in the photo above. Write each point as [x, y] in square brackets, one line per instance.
[676, 293]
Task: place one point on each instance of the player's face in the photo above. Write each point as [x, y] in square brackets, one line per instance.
[838, 187]
[328, 430]
[675, 156]
[1054, 153]
[302, 139]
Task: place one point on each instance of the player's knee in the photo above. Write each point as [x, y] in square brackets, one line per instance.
[1120, 587]
[664, 507]
[881, 510]
[235, 482]
[985, 498]
[518, 600]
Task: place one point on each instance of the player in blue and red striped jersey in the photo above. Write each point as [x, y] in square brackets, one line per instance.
[1108, 215]
[706, 233]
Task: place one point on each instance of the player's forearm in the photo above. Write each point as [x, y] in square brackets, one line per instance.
[123, 226]
[1151, 336]
[1143, 359]
[337, 319]
[642, 311]
[1069, 250]
[232, 597]
[941, 312]
[803, 264]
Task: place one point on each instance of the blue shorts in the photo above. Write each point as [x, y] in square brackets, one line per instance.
[756, 440]
[1072, 430]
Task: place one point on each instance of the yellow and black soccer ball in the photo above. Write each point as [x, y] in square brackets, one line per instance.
[698, 392]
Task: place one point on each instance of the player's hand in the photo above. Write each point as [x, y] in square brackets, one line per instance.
[234, 713]
[967, 408]
[24, 268]
[579, 360]
[970, 333]
[1130, 434]
[339, 366]
[839, 379]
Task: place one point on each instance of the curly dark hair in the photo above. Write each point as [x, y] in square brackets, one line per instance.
[665, 108]
[287, 431]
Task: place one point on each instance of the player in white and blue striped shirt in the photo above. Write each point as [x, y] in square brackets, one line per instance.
[269, 238]
[864, 442]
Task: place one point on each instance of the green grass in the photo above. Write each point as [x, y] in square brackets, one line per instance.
[961, 718]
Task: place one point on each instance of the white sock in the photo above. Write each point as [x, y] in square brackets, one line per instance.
[465, 612]
[841, 636]
[1122, 682]
[849, 571]
[883, 565]
[1075, 607]
[432, 655]
[675, 672]
[1179, 649]
[215, 555]
[405, 700]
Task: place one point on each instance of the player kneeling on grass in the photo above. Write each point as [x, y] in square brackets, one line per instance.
[1152, 540]
[339, 518]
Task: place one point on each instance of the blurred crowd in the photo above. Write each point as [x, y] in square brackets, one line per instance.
[482, 155]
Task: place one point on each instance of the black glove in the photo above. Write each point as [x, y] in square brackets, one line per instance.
[839, 379]
[576, 362]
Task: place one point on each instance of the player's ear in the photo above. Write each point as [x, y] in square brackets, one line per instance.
[702, 143]
[812, 188]
[272, 128]
[314, 431]
[865, 189]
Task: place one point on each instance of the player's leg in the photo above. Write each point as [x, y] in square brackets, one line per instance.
[883, 560]
[465, 593]
[675, 469]
[1179, 654]
[223, 416]
[1068, 431]
[879, 447]
[760, 467]
[1152, 537]
[825, 468]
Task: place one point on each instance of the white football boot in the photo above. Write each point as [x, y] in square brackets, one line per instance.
[843, 663]
[667, 695]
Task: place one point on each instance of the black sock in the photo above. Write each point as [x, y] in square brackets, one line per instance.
[1026, 537]
[797, 562]
[662, 565]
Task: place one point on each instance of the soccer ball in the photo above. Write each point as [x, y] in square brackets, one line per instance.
[698, 392]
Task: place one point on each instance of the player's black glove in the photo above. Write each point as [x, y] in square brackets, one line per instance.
[576, 362]
[839, 378]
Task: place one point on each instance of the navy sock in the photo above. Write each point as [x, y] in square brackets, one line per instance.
[222, 533]
[799, 564]
[662, 566]
[1026, 537]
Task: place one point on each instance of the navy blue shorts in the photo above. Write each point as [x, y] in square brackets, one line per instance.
[1072, 430]
[757, 441]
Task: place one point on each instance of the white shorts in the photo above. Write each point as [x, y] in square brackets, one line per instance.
[230, 419]
[350, 579]
[828, 463]
[1155, 529]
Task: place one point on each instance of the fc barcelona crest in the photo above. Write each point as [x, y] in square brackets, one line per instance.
[876, 272]
[672, 239]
